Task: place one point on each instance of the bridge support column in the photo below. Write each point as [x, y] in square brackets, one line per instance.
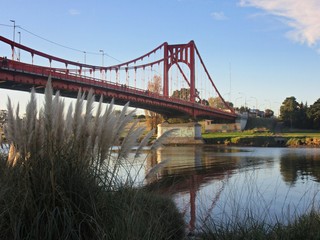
[186, 133]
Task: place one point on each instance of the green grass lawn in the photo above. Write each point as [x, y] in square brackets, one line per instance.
[264, 138]
[301, 134]
[251, 133]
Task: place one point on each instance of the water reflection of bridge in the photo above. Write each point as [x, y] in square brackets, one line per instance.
[205, 182]
[188, 170]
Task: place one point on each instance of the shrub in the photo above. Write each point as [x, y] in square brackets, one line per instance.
[226, 142]
[316, 141]
[235, 140]
[295, 142]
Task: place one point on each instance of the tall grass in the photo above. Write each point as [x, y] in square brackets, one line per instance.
[252, 211]
[61, 178]
[306, 226]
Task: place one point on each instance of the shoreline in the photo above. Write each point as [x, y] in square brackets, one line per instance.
[264, 141]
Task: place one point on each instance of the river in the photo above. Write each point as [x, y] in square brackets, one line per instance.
[228, 184]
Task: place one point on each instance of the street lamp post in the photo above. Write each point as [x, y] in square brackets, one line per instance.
[85, 61]
[102, 75]
[278, 113]
[19, 57]
[102, 57]
[256, 101]
[14, 33]
[235, 101]
[266, 100]
[245, 99]
[14, 29]
[85, 56]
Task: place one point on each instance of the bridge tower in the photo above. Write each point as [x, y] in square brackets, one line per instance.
[173, 54]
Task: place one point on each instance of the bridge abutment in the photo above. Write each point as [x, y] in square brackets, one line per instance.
[186, 133]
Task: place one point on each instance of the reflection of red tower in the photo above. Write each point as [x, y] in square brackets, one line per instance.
[194, 183]
[193, 190]
[189, 179]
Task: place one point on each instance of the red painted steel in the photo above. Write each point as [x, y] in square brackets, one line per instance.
[180, 53]
[22, 76]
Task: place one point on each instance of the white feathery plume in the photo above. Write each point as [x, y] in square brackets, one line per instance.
[159, 141]
[143, 143]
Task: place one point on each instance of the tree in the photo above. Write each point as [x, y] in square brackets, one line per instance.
[183, 93]
[268, 113]
[313, 114]
[289, 112]
[152, 118]
[204, 102]
[217, 102]
[3, 117]
[302, 118]
[242, 109]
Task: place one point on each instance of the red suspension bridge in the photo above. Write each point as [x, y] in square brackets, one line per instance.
[184, 91]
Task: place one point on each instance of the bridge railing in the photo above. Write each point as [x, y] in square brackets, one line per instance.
[76, 76]
[70, 76]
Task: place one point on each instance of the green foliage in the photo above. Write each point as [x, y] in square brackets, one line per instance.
[268, 113]
[61, 179]
[300, 115]
[260, 137]
[295, 142]
[289, 111]
[183, 93]
[313, 114]
[218, 102]
[153, 118]
[141, 222]
[261, 124]
[226, 142]
[3, 117]
[235, 140]
[179, 120]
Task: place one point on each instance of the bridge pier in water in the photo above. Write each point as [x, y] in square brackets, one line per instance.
[186, 133]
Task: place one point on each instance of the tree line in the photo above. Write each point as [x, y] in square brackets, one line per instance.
[300, 115]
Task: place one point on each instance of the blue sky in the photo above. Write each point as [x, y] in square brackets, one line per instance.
[266, 50]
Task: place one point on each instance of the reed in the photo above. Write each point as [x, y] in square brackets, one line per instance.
[248, 213]
[302, 227]
[61, 179]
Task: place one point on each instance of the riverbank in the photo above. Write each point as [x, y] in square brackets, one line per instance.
[302, 227]
[257, 138]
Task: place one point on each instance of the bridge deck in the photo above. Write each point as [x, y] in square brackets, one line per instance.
[21, 76]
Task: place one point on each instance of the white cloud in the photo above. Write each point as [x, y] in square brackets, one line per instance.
[218, 16]
[74, 12]
[302, 16]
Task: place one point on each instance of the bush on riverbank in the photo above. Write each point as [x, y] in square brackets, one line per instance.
[61, 179]
[304, 141]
